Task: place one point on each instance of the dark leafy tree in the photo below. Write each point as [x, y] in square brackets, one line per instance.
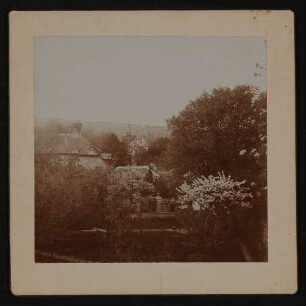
[117, 148]
[225, 130]
[221, 131]
[110, 143]
[156, 153]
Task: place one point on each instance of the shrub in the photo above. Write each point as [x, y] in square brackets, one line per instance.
[215, 209]
[125, 195]
[66, 195]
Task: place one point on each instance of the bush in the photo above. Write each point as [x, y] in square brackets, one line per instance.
[125, 195]
[69, 197]
[66, 195]
[216, 210]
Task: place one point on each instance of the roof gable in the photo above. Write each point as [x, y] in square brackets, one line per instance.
[66, 144]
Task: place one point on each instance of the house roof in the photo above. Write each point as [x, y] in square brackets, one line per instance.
[66, 144]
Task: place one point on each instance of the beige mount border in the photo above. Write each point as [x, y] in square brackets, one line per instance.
[278, 275]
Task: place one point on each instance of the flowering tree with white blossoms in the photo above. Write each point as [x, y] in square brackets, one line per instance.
[213, 193]
[134, 146]
[137, 145]
[215, 209]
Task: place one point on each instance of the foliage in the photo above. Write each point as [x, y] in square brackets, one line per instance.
[214, 193]
[155, 153]
[125, 196]
[126, 193]
[135, 146]
[66, 195]
[167, 183]
[117, 148]
[110, 143]
[225, 130]
[209, 135]
[69, 197]
[216, 209]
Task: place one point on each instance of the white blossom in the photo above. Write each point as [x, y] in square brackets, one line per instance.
[242, 152]
[214, 192]
[136, 145]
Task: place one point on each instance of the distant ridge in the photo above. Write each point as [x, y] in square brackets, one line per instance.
[140, 130]
[42, 120]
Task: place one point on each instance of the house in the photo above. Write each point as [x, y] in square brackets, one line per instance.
[139, 172]
[71, 145]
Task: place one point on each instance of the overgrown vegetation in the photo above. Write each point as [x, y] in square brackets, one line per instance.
[213, 166]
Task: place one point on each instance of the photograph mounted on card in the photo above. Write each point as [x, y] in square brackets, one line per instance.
[149, 144]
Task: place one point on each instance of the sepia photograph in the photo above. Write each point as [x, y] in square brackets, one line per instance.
[152, 152]
[150, 149]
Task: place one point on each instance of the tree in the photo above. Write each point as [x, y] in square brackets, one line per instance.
[216, 208]
[117, 148]
[125, 196]
[209, 135]
[110, 143]
[67, 196]
[167, 183]
[135, 146]
[225, 130]
[155, 153]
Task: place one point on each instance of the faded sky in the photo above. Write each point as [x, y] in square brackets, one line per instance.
[141, 80]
